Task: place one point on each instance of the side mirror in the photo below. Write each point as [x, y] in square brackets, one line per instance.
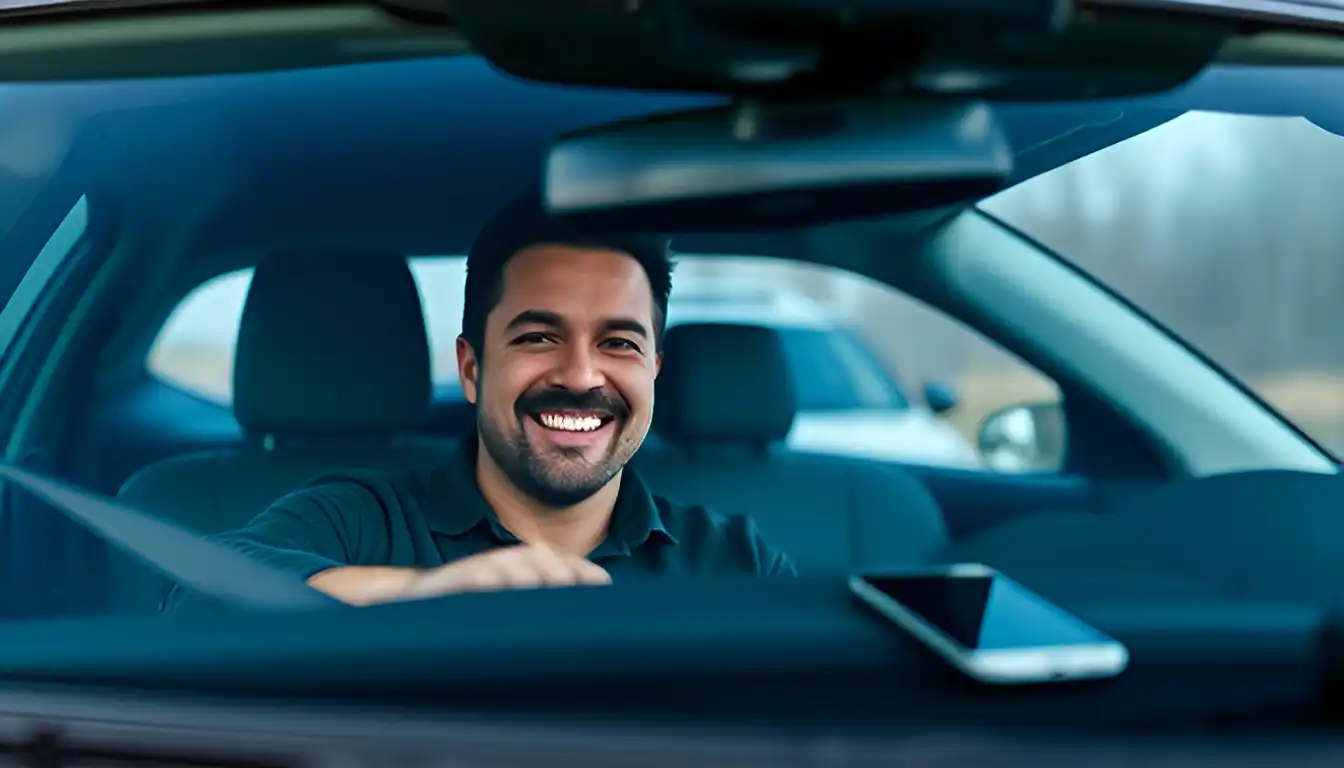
[940, 397]
[1024, 438]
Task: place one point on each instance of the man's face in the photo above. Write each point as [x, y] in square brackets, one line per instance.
[564, 385]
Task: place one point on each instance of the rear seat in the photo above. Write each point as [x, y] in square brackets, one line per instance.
[332, 368]
[725, 405]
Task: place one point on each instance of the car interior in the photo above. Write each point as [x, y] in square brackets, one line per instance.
[1186, 518]
[295, 176]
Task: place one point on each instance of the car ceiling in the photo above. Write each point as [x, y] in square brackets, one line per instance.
[208, 173]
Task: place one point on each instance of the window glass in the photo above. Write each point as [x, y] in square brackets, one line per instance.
[1224, 228]
[195, 349]
[860, 353]
[833, 371]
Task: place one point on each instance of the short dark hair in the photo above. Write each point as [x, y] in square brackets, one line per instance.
[524, 223]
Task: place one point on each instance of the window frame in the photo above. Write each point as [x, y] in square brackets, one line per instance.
[49, 210]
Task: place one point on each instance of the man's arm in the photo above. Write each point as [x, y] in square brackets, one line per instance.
[334, 536]
[365, 584]
[312, 531]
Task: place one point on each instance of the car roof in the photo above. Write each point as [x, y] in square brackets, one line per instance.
[414, 156]
[411, 155]
[466, 139]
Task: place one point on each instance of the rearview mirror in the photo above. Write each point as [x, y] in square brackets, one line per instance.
[761, 163]
[1023, 438]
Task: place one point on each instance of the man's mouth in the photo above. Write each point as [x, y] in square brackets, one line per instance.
[573, 421]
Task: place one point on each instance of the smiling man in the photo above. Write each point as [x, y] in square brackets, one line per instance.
[559, 350]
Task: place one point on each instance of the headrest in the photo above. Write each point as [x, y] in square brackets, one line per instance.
[724, 383]
[331, 344]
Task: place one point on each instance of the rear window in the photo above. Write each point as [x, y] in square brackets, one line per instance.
[833, 369]
[195, 348]
[852, 345]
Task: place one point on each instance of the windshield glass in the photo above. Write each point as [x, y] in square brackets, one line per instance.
[230, 328]
[1222, 227]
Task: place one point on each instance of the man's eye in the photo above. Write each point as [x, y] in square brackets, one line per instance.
[623, 344]
[532, 338]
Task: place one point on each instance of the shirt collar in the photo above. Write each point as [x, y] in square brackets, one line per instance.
[459, 507]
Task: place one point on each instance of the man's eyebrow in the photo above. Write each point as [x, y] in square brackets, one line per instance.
[552, 320]
[535, 317]
[628, 325]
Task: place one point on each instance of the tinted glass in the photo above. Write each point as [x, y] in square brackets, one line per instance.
[1225, 228]
[833, 371]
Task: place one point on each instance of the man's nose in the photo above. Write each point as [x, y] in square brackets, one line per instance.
[579, 370]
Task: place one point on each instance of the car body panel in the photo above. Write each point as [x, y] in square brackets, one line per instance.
[914, 435]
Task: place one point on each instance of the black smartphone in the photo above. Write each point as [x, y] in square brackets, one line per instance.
[990, 627]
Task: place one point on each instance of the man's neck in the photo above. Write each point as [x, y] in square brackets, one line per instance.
[578, 529]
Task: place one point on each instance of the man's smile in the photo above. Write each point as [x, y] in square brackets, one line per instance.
[572, 421]
[573, 428]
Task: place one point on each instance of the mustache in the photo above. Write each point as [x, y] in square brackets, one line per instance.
[594, 400]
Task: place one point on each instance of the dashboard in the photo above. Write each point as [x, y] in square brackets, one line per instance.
[741, 673]
[751, 673]
[88, 729]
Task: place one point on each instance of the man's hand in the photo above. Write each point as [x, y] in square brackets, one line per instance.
[520, 567]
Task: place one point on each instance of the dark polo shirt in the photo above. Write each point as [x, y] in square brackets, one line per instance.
[428, 517]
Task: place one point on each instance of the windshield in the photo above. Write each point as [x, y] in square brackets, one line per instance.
[1223, 227]
[269, 336]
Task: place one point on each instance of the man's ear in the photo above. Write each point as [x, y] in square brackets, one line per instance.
[657, 364]
[468, 369]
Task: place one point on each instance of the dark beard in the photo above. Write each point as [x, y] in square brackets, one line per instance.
[530, 474]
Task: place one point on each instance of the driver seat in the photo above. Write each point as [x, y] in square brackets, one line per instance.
[332, 371]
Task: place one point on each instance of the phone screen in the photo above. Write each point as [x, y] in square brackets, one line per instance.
[987, 613]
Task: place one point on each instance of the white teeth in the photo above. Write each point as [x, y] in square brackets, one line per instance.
[570, 423]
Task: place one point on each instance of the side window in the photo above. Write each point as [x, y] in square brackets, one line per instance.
[195, 349]
[834, 371]
[967, 392]
[877, 373]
